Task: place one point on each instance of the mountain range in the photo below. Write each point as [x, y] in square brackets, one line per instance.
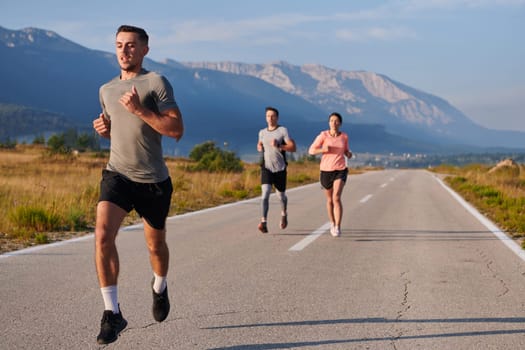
[371, 98]
[224, 101]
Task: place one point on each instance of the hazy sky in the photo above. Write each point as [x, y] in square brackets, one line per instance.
[469, 52]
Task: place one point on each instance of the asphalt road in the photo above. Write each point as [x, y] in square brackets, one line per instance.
[413, 269]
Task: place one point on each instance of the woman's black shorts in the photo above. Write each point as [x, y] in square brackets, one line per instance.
[327, 178]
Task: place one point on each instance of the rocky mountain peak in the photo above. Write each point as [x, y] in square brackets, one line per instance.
[34, 37]
[351, 92]
[375, 84]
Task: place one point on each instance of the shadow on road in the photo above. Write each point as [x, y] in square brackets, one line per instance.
[270, 346]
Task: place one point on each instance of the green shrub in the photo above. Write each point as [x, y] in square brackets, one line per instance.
[457, 180]
[57, 145]
[76, 219]
[237, 194]
[33, 218]
[228, 193]
[213, 159]
[485, 191]
[200, 150]
[299, 178]
[41, 238]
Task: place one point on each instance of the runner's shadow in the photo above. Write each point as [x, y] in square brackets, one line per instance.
[371, 235]
[378, 235]
[271, 346]
[377, 320]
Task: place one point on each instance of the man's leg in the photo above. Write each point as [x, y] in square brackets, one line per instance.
[109, 218]
[159, 254]
[159, 257]
[284, 202]
[284, 212]
[266, 189]
[280, 189]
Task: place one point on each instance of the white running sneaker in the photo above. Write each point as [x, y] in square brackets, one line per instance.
[337, 232]
[333, 230]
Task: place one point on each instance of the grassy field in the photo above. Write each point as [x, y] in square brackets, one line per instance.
[498, 192]
[46, 198]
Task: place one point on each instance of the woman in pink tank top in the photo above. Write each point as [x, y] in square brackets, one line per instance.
[333, 145]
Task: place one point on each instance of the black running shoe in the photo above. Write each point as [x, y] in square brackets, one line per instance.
[110, 327]
[161, 304]
[262, 227]
[284, 221]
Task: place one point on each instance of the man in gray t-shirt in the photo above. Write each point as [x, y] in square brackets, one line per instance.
[136, 149]
[274, 142]
[138, 108]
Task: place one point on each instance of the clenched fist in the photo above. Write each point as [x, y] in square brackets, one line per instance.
[102, 126]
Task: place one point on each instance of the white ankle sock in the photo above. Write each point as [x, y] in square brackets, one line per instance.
[110, 296]
[160, 283]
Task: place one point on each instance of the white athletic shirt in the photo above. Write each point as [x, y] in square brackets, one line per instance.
[274, 159]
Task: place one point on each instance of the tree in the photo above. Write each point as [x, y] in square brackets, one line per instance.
[213, 159]
[202, 149]
[87, 141]
[57, 144]
[39, 140]
[8, 143]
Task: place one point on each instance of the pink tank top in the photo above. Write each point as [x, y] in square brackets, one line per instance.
[335, 158]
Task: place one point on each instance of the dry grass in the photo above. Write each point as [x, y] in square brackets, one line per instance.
[499, 193]
[47, 198]
[36, 188]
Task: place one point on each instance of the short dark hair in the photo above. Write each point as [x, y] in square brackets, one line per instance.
[337, 115]
[143, 36]
[273, 109]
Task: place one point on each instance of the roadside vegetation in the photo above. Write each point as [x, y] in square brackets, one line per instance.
[49, 192]
[497, 191]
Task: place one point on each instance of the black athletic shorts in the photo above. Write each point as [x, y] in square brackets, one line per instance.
[277, 179]
[150, 200]
[327, 178]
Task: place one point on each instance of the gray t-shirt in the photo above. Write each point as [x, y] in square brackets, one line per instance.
[136, 148]
[274, 159]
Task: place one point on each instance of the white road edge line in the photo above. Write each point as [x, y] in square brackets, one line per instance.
[44, 246]
[310, 238]
[365, 198]
[511, 244]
